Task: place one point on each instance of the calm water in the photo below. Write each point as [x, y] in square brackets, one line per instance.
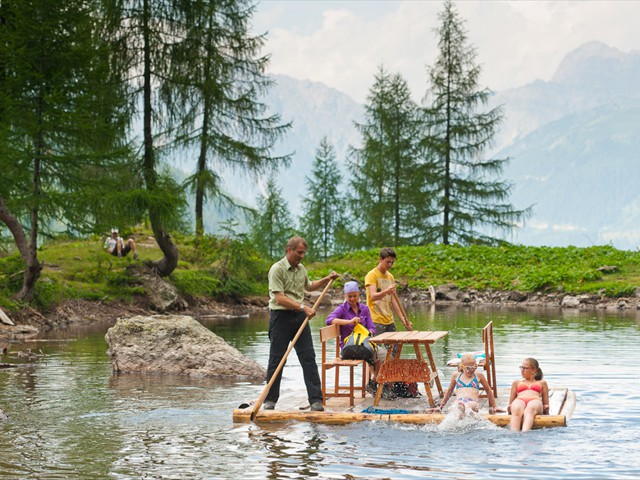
[70, 418]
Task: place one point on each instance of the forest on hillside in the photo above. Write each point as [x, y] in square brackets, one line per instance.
[95, 95]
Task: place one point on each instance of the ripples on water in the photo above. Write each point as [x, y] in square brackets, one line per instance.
[71, 418]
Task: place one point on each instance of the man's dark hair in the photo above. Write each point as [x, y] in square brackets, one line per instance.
[387, 252]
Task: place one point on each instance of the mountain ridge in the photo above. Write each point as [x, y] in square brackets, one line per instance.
[580, 131]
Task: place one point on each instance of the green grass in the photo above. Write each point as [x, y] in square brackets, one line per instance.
[528, 269]
[220, 268]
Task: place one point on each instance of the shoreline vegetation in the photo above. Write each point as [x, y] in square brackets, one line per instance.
[221, 276]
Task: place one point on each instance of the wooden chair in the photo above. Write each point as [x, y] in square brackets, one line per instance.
[490, 358]
[331, 360]
[488, 363]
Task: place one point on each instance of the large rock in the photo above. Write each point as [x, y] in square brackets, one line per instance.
[175, 344]
[569, 301]
[447, 292]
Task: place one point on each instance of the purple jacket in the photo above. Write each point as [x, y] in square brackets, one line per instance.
[345, 312]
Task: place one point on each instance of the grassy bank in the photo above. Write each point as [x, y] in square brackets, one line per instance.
[80, 269]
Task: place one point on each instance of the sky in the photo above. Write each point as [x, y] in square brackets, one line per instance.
[342, 43]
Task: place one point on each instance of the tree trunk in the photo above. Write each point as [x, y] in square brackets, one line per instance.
[169, 262]
[202, 166]
[28, 252]
[166, 265]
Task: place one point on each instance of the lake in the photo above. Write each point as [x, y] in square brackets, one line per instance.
[70, 418]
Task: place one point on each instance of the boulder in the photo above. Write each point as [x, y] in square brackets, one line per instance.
[447, 292]
[608, 269]
[313, 296]
[175, 344]
[570, 302]
[516, 296]
[162, 295]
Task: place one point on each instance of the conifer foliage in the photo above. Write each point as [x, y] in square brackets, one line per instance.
[389, 187]
[223, 122]
[323, 212]
[272, 226]
[471, 202]
[61, 123]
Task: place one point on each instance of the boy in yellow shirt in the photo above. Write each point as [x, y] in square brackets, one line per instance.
[381, 286]
[381, 301]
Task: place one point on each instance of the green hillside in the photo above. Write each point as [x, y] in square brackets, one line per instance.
[228, 269]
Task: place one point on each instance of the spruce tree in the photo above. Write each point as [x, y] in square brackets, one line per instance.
[323, 212]
[471, 201]
[387, 185]
[273, 225]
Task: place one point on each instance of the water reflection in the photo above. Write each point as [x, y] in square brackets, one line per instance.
[70, 417]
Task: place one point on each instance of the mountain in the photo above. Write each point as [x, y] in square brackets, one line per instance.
[590, 76]
[573, 142]
[314, 111]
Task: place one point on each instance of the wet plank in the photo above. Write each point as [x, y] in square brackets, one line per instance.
[290, 407]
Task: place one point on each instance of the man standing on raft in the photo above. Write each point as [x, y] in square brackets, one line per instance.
[288, 279]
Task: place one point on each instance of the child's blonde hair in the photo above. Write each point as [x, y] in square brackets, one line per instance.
[467, 358]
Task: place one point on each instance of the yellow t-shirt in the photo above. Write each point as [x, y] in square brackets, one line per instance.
[381, 310]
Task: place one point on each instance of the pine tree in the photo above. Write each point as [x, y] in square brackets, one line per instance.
[272, 226]
[224, 121]
[61, 122]
[389, 189]
[323, 212]
[470, 198]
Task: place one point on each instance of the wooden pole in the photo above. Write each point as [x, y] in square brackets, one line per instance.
[404, 312]
[264, 393]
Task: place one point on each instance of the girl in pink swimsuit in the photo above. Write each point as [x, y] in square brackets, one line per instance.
[529, 396]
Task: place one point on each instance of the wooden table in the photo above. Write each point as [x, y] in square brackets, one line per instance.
[396, 369]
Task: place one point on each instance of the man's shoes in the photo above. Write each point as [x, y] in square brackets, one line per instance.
[372, 387]
[269, 405]
[317, 407]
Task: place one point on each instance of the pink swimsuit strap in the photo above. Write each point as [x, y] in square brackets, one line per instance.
[536, 387]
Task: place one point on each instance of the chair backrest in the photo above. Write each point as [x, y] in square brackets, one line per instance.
[490, 357]
[329, 333]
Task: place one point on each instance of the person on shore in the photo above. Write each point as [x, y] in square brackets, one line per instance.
[117, 247]
[529, 396]
[466, 384]
[288, 280]
[351, 313]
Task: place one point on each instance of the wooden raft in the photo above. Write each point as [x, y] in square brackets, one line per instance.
[338, 411]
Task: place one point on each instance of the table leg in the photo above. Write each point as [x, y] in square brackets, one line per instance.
[427, 387]
[433, 369]
[391, 355]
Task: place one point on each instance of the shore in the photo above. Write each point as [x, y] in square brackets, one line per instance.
[30, 320]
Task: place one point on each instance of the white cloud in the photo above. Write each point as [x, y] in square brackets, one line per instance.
[341, 43]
